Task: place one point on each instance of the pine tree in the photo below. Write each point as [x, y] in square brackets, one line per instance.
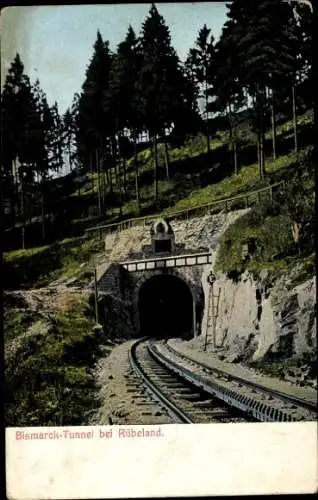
[226, 86]
[24, 151]
[201, 60]
[121, 94]
[44, 142]
[262, 41]
[94, 123]
[69, 131]
[58, 139]
[157, 81]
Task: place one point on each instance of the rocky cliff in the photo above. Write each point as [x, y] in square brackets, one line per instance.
[262, 317]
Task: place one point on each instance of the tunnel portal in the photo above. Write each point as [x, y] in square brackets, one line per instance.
[166, 307]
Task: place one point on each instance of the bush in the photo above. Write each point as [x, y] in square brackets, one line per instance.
[264, 233]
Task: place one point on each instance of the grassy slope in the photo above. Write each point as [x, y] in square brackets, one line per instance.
[48, 372]
[34, 267]
[185, 188]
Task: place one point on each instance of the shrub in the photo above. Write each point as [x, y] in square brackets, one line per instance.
[266, 228]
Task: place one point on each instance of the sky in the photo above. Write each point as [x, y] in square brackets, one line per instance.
[55, 43]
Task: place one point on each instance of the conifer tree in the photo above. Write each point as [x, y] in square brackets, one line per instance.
[94, 123]
[69, 130]
[201, 60]
[22, 131]
[157, 81]
[226, 87]
[121, 96]
[262, 41]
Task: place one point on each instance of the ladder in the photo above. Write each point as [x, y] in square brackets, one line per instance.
[211, 318]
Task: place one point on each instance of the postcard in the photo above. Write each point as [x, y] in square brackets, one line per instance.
[159, 258]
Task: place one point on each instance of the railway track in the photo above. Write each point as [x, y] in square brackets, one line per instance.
[191, 392]
[182, 400]
[266, 404]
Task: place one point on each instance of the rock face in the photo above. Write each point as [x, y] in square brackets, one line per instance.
[259, 318]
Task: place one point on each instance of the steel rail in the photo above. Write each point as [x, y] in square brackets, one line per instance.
[175, 413]
[252, 407]
[280, 395]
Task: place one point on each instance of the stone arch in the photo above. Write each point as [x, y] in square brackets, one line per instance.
[193, 288]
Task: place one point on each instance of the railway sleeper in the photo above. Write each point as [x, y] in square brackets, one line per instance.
[258, 410]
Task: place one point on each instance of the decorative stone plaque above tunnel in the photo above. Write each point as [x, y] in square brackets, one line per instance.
[164, 252]
[162, 237]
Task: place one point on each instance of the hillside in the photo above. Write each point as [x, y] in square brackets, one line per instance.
[195, 177]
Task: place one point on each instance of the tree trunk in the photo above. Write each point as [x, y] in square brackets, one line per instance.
[13, 200]
[294, 119]
[233, 139]
[124, 175]
[207, 116]
[106, 175]
[91, 172]
[273, 121]
[121, 162]
[155, 166]
[235, 152]
[118, 160]
[103, 184]
[136, 172]
[260, 134]
[261, 148]
[167, 160]
[114, 163]
[69, 159]
[98, 183]
[117, 168]
[22, 213]
[42, 211]
[110, 173]
[258, 154]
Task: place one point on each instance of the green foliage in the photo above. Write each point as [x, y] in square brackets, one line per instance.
[267, 228]
[17, 322]
[271, 228]
[38, 266]
[48, 379]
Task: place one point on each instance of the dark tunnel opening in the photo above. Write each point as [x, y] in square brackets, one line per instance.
[166, 307]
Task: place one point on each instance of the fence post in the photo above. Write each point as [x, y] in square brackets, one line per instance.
[271, 193]
[226, 208]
